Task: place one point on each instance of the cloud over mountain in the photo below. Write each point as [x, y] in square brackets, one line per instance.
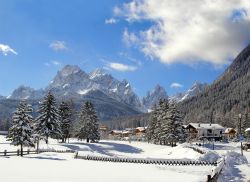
[189, 31]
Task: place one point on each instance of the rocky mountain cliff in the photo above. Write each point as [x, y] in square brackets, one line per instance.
[196, 88]
[152, 97]
[223, 100]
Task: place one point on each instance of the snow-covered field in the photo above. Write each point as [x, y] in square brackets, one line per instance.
[62, 167]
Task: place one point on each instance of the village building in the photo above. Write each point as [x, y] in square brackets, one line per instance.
[3, 132]
[140, 131]
[230, 133]
[205, 130]
[103, 131]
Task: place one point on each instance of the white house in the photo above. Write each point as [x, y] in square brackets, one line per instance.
[205, 130]
[3, 132]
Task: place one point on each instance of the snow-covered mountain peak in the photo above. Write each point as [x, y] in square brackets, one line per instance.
[152, 98]
[69, 70]
[195, 89]
[25, 92]
[97, 73]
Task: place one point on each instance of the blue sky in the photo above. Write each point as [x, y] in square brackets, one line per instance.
[135, 40]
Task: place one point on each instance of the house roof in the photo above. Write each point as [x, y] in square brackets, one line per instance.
[228, 130]
[3, 132]
[141, 128]
[206, 126]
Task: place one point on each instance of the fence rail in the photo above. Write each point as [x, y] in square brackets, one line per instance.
[27, 152]
[146, 161]
[17, 152]
[216, 171]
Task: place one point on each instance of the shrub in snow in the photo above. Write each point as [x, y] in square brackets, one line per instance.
[210, 156]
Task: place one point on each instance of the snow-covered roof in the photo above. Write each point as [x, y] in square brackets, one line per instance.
[121, 131]
[141, 128]
[206, 126]
[229, 129]
[3, 132]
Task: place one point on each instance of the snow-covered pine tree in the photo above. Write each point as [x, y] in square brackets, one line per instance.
[150, 132]
[88, 123]
[20, 133]
[155, 125]
[176, 132]
[166, 124]
[47, 124]
[65, 120]
[246, 123]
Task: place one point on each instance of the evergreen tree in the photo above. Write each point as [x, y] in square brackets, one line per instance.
[88, 123]
[65, 120]
[175, 122]
[165, 126]
[155, 125]
[20, 133]
[48, 123]
[246, 123]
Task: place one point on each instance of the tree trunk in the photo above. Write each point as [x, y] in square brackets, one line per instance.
[47, 139]
[87, 140]
[37, 145]
[21, 150]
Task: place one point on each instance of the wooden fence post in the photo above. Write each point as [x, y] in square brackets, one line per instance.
[5, 152]
[18, 152]
[209, 178]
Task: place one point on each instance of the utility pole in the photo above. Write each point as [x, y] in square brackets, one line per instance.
[241, 137]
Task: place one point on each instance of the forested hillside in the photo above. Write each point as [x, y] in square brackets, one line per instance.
[223, 100]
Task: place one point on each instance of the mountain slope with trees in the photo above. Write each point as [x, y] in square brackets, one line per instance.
[223, 100]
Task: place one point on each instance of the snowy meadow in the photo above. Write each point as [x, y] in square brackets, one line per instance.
[52, 166]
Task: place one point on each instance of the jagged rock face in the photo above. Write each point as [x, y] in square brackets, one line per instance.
[152, 97]
[196, 88]
[120, 90]
[177, 97]
[71, 83]
[24, 92]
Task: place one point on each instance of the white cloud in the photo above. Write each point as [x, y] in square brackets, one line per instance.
[111, 21]
[130, 39]
[58, 46]
[53, 63]
[5, 50]
[189, 31]
[176, 85]
[120, 67]
[56, 63]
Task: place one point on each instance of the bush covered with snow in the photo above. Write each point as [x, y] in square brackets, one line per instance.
[210, 156]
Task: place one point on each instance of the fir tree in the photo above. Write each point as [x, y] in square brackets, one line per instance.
[175, 122]
[150, 132]
[20, 133]
[48, 123]
[246, 123]
[65, 120]
[88, 123]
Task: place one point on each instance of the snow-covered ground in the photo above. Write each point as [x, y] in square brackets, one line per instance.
[63, 167]
[237, 166]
